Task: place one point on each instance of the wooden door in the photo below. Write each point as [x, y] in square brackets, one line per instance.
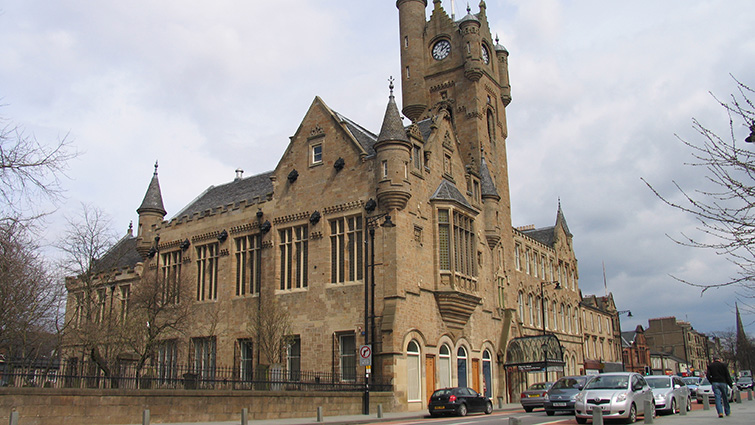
[476, 375]
[429, 375]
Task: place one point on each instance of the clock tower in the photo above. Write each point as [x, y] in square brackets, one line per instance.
[457, 66]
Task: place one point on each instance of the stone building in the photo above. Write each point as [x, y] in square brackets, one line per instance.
[400, 239]
[635, 351]
[602, 334]
[677, 337]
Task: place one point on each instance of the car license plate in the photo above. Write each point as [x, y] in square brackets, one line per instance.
[439, 407]
[559, 404]
[531, 395]
[605, 408]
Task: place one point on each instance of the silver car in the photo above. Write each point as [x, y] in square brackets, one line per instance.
[619, 395]
[669, 392]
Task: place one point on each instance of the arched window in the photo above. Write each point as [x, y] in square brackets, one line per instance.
[531, 312]
[487, 374]
[562, 318]
[444, 367]
[568, 319]
[546, 324]
[414, 372]
[461, 366]
[555, 315]
[539, 313]
[521, 306]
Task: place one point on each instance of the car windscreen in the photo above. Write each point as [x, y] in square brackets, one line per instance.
[608, 383]
[446, 391]
[538, 386]
[691, 381]
[661, 382]
[705, 382]
[565, 383]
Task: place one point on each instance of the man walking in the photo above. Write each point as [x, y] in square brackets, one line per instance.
[720, 380]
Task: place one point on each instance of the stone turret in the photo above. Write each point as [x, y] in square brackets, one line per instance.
[503, 72]
[151, 213]
[490, 201]
[411, 17]
[393, 151]
[470, 31]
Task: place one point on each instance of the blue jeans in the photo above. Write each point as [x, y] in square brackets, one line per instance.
[721, 391]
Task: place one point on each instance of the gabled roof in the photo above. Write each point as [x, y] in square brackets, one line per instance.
[448, 191]
[544, 235]
[561, 219]
[246, 189]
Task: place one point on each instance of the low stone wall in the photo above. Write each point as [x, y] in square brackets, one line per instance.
[96, 407]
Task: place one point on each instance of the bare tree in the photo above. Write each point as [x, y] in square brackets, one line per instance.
[29, 172]
[724, 211]
[30, 298]
[160, 307]
[272, 327]
[89, 270]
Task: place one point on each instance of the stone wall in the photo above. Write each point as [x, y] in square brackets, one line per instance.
[88, 407]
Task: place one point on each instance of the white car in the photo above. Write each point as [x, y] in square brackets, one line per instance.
[669, 392]
[620, 395]
[706, 388]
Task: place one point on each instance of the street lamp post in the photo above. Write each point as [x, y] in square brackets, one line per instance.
[621, 344]
[542, 311]
[369, 296]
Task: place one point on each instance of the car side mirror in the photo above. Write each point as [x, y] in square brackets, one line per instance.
[677, 386]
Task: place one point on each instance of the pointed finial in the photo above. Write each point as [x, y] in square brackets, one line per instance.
[469, 9]
[155, 167]
[130, 228]
[496, 38]
[390, 85]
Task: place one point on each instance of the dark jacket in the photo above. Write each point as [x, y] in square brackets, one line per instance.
[719, 372]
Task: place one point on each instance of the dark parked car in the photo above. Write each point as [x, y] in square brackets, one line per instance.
[744, 383]
[458, 400]
[560, 397]
[534, 395]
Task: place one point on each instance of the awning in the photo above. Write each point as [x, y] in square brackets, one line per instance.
[535, 353]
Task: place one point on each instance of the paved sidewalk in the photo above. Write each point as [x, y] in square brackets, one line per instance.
[741, 414]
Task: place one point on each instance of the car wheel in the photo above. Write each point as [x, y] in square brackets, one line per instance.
[673, 406]
[580, 420]
[528, 409]
[549, 412]
[689, 404]
[489, 408]
[462, 410]
[632, 418]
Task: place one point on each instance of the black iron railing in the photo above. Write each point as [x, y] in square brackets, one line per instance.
[87, 374]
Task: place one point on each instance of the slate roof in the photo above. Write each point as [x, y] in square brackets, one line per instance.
[544, 235]
[365, 137]
[486, 181]
[392, 128]
[245, 189]
[448, 191]
[425, 127]
[153, 199]
[122, 254]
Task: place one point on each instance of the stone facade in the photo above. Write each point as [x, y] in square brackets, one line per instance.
[414, 222]
[678, 338]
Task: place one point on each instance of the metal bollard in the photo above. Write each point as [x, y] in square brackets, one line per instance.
[380, 411]
[597, 415]
[737, 396]
[706, 402]
[514, 421]
[244, 416]
[648, 414]
[683, 406]
[145, 417]
[319, 413]
[749, 395]
[14, 418]
[500, 402]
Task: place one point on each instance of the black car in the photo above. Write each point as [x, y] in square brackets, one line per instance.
[458, 400]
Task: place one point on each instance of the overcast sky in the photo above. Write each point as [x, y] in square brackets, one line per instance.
[600, 88]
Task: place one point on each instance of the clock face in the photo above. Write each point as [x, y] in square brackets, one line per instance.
[485, 55]
[441, 49]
